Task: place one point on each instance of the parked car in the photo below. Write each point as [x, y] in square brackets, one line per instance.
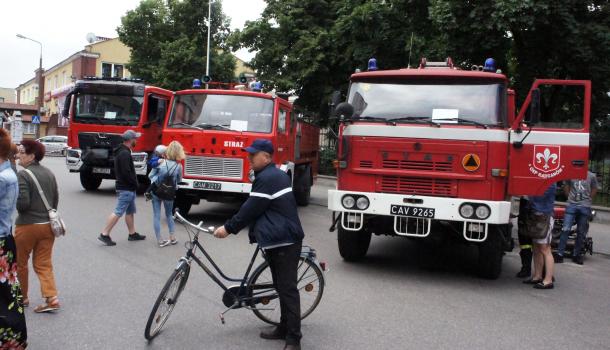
[55, 144]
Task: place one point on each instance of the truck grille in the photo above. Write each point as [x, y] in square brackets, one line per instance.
[418, 186]
[229, 168]
[417, 165]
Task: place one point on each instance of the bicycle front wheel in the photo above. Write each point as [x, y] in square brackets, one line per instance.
[265, 300]
[166, 300]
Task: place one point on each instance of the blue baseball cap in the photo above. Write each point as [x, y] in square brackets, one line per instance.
[259, 145]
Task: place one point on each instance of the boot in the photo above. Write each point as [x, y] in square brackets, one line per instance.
[526, 263]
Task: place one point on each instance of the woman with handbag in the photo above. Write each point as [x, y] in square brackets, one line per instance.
[166, 178]
[33, 232]
[12, 318]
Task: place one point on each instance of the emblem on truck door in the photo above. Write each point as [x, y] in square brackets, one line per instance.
[546, 162]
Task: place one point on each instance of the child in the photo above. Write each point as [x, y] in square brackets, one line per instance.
[153, 163]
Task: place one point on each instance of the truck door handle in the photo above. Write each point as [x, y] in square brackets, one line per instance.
[578, 163]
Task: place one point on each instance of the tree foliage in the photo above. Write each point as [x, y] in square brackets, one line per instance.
[312, 46]
[168, 40]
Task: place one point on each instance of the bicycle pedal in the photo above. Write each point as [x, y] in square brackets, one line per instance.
[222, 318]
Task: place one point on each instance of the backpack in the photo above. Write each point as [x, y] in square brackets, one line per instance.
[166, 189]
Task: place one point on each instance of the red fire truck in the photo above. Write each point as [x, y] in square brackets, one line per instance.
[214, 125]
[100, 110]
[438, 152]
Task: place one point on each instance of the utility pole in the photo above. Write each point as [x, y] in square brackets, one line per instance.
[40, 81]
[207, 56]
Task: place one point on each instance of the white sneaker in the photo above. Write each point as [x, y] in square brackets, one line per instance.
[163, 243]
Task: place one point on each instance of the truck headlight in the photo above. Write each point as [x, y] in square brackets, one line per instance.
[482, 212]
[362, 203]
[139, 157]
[467, 210]
[348, 202]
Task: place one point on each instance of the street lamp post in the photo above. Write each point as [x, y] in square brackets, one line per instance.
[40, 88]
[207, 56]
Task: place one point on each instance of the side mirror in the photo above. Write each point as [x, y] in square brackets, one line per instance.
[344, 110]
[533, 117]
[335, 99]
[65, 112]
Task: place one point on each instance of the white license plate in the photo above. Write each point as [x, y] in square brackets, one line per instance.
[101, 170]
[204, 185]
[418, 212]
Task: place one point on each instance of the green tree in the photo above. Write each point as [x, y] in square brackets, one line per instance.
[168, 40]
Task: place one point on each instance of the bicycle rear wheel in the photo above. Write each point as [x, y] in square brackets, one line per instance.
[166, 300]
[265, 300]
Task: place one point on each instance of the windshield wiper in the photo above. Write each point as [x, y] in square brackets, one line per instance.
[464, 121]
[414, 119]
[208, 125]
[369, 118]
[185, 124]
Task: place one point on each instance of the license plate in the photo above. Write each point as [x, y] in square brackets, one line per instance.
[204, 185]
[418, 212]
[101, 170]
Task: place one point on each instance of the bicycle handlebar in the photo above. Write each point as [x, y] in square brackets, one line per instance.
[197, 227]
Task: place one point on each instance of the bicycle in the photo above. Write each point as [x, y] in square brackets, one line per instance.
[255, 291]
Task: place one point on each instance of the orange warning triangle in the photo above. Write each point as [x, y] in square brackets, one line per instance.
[471, 162]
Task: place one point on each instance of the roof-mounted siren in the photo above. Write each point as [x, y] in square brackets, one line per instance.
[196, 84]
[372, 64]
[448, 63]
[256, 86]
[490, 66]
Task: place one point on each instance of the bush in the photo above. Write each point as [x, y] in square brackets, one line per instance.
[327, 156]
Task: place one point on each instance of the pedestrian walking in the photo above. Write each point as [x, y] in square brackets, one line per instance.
[169, 173]
[580, 195]
[126, 187]
[271, 213]
[33, 233]
[541, 208]
[12, 318]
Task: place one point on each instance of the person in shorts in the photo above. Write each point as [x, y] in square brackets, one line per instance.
[126, 186]
[543, 256]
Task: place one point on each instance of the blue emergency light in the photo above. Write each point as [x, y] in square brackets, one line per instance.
[372, 64]
[490, 65]
[196, 84]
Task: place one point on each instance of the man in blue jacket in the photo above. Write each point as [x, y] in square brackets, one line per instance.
[271, 213]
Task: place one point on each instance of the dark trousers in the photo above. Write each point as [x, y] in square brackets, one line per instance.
[283, 262]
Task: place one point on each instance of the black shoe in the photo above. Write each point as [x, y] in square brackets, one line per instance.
[148, 196]
[106, 240]
[292, 347]
[274, 334]
[532, 281]
[524, 272]
[558, 258]
[541, 285]
[136, 237]
[578, 260]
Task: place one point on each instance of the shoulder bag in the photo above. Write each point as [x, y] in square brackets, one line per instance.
[166, 189]
[57, 224]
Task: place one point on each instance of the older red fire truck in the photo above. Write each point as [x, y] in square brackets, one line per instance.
[100, 110]
[438, 151]
[214, 125]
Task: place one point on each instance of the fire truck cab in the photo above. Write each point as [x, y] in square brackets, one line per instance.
[100, 110]
[214, 125]
[440, 152]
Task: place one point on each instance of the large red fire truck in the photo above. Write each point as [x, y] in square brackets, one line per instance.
[438, 151]
[214, 125]
[100, 110]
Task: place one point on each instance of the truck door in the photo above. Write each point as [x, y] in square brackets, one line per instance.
[155, 111]
[283, 147]
[549, 139]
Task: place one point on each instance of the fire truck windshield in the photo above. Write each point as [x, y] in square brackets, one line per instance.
[446, 102]
[108, 109]
[222, 112]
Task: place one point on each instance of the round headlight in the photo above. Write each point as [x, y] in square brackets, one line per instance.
[348, 202]
[482, 212]
[466, 210]
[362, 203]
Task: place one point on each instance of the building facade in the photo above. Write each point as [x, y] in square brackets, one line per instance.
[8, 95]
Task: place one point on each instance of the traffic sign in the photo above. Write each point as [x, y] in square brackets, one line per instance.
[471, 162]
[35, 119]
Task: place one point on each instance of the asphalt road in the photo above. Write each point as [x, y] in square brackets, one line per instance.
[398, 298]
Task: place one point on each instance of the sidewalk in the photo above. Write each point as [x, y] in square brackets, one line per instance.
[598, 230]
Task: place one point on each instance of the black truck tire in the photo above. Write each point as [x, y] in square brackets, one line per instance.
[302, 186]
[353, 245]
[183, 204]
[491, 252]
[89, 181]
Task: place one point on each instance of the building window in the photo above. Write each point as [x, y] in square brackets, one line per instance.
[111, 70]
[29, 128]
